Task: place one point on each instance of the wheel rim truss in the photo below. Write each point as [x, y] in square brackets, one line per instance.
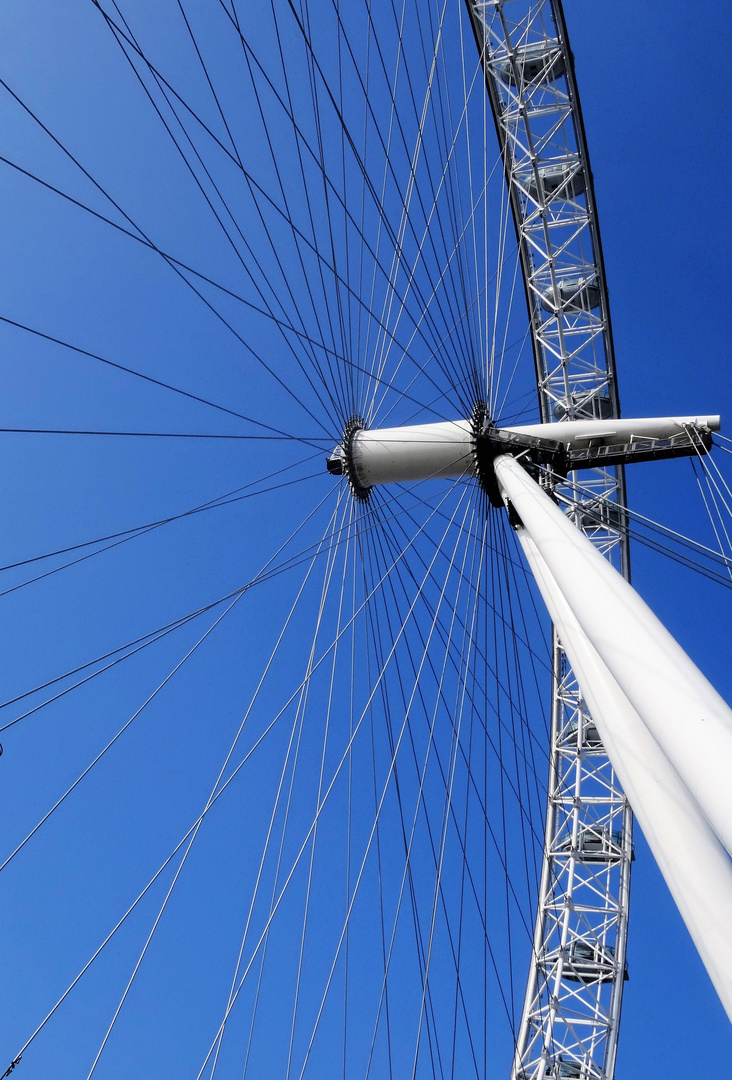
[570, 1019]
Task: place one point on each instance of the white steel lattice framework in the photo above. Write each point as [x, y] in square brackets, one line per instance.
[571, 1014]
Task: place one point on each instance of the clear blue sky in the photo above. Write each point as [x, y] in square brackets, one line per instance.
[655, 85]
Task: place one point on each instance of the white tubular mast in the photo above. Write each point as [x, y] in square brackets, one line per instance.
[667, 732]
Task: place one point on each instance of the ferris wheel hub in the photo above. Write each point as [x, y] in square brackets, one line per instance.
[369, 457]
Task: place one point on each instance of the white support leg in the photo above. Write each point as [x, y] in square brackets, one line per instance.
[693, 862]
[684, 713]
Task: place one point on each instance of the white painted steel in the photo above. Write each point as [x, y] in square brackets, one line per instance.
[579, 434]
[687, 717]
[693, 862]
[418, 452]
[538, 120]
[424, 451]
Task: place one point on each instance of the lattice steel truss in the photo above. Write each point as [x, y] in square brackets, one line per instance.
[569, 1026]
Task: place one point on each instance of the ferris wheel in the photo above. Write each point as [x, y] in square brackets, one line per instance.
[303, 781]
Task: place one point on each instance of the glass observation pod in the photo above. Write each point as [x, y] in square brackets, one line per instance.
[571, 295]
[559, 1069]
[568, 1070]
[597, 405]
[590, 962]
[557, 180]
[599, 514]
[595, 844]
[539, 59]
[590, 735]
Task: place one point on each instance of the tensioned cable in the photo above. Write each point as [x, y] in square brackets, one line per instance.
[250, 179]
[405, 217]
[135, 902]
[437, 756]
[329, 230]
[343, 759]
[394, 120]
[455, 290]
[496, 591]
[118, 734]
[359, 877]
[348, 331]
[347, 508]
[174, 264]
[408, 706]
[212, 504]
[469, 378]
[297, 727]
[157, 874]
[454, 187]
[383, 220]
[224, 786]
[353, 734]
[160, 79]
[482, 657]
[434, 401]
[193, 837]
[368, 123]
[199, 184]
[283, 192]
[161, 434]
[448, 814]
[366, 545]
[236, 597]
[129, 535]
[153, 879]
[446, 817]
[718, 521]
[479, 796]
[148, 378]
[298, 724]
[290, 563]
[480, 330]
[528, 745]
[596, 514]
[518, 709]
[377, 555]
[603, 501]
[469, 373]
[476, 572]
[465, 871]
[469, 332]
[340, 117]
[506, 625]
[155, 635]
[720, 484]
[328, 714]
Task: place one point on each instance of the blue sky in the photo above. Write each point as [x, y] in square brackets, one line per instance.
[655, 113]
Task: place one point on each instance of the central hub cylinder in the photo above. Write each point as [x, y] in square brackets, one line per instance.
[417, 452]
[456, 448]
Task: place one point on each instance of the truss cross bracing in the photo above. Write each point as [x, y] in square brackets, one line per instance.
[570, 1019]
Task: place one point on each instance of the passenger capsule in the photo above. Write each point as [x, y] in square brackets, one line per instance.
[561, 180]
[585, 406]
[591, 962]
[563, 1070]
[595, 843]
[540, 59]
[559, 1069]
[572, 295]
